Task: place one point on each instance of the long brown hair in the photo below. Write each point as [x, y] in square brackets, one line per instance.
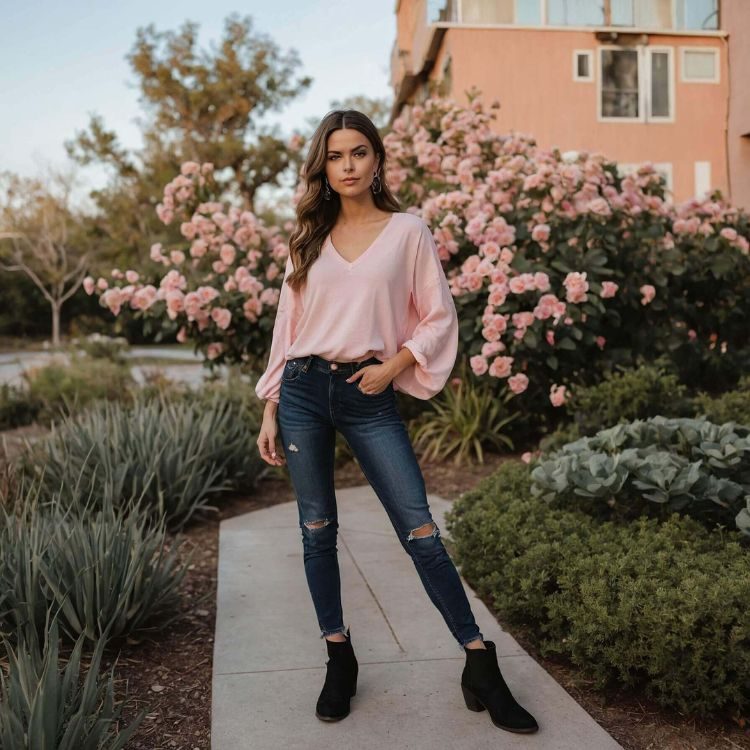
[316, 216]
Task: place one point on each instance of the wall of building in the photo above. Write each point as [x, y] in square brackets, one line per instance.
[736, 20]
[530, 72]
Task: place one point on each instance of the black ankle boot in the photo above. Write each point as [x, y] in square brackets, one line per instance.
[341, 680]
[484, 687]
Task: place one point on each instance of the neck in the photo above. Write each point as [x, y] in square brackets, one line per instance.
[358, 210]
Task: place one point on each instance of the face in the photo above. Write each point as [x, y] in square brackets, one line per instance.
[351, 162]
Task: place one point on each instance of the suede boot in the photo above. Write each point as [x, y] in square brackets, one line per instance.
[341, 680]
[483, 687]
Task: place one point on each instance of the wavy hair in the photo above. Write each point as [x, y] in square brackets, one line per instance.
[316, 216]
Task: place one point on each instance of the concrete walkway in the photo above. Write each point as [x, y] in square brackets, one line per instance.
[269, 659]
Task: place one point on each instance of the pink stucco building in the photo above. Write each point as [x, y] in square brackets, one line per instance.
[666, 81]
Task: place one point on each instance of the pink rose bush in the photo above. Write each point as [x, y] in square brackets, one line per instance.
[561, 268]
[220, 288]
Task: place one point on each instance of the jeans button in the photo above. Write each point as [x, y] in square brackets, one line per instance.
[334, 366]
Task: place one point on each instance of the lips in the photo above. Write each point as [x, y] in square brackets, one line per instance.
[350, 181]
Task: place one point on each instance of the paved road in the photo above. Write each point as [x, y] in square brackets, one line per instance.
[13, 364]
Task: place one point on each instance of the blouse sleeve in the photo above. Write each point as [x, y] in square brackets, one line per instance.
[434, 338]
[268, 386]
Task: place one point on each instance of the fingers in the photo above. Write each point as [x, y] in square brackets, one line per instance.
[267, 448]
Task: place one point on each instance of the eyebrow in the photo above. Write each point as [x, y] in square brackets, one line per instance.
[361, 145]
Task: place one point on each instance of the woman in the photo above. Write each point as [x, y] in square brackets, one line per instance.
[365, 310]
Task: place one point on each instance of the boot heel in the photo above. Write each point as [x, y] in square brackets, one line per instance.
[471, 701]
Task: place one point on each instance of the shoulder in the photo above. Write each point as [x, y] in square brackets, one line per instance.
[412, 225]
[410, 220]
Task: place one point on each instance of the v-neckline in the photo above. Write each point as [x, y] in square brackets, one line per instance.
[352, 263]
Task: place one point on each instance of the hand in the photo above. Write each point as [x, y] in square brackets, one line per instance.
[267, 441]
[373, 379]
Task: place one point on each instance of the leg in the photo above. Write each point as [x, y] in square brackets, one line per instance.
[308, 441]
[382, 447]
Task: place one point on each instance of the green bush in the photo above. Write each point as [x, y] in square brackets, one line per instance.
[733, 406]
[100, 346]
[656, 466]
[46, 705]
[17, 407]
[172, 455]
[658, 607]
[107, 570]
[627, 395]
[65, 389]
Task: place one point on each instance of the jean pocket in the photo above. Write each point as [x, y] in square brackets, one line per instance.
[292, 370]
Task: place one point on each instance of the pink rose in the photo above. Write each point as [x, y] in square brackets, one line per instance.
[648, 293]
[557, 395]
[518, 383]
[222, 317]
[478, 365]
[609, 289]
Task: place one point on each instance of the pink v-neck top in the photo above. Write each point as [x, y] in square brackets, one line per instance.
[394, 295]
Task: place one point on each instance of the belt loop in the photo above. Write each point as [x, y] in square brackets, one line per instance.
[306, 366]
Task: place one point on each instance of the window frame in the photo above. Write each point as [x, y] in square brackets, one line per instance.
[588, 53]
[717, 64]
[644, 54]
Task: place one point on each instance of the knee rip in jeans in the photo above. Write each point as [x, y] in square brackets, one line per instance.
[423, 531]
[317, 524]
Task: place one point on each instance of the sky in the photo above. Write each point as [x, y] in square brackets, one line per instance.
[62, 61]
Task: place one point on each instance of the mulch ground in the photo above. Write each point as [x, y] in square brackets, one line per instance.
[169, 672]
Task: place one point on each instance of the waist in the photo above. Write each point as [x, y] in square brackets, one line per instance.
[331, 366]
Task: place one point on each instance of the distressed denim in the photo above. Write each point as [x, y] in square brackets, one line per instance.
[315, 401]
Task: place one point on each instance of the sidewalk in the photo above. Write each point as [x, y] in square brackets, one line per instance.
[269, 659]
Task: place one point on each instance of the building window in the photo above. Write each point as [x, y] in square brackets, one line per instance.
[697, 14]
[636, 84]
[702, 175]
[699, 65]
[660, 69]
[583, 65]
[480, 11]
[575, 12]
[645, 14]
[620, 93]
[529, 12]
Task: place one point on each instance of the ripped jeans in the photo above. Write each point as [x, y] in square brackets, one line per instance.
[314, 402]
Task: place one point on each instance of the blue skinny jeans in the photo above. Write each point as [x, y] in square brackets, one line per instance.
[314, 402]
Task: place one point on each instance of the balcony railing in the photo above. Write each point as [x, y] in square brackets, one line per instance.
[672, 15]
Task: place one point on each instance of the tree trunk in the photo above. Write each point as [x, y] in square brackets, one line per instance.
[56, 323]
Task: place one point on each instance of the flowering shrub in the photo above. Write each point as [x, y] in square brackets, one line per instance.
[217, 291]
[561, 268]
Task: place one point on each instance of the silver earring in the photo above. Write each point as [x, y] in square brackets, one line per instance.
[326, 190]
[379, 187]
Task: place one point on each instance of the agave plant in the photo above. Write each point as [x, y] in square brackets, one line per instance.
[464, 418]
[47, 706]
[170, 455]
[106, 569]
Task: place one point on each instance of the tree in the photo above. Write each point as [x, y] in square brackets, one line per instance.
[202, 106]
[41, 237]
